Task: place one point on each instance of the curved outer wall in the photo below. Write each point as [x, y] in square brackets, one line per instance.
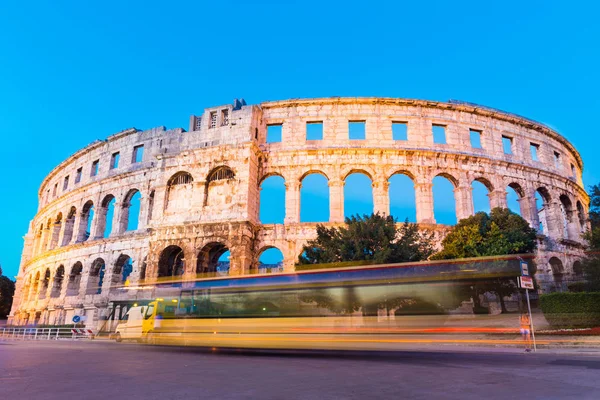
[208, 210]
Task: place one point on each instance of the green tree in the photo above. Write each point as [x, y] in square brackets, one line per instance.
[7, 291]
[499, 233]
[591, 263]
[374, 238]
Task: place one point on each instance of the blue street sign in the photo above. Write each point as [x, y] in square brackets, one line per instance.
[76, 318]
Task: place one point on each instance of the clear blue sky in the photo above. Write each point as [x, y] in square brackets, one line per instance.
[73, 72]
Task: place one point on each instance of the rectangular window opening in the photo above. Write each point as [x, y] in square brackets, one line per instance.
[114, 160]
[274, 133]
[439, 134]
[507, 144]
[399, 131]
[138, 154]
[78, 174]
[573, 171]
[55, 189]
[198, 123]
[224, 117]
[314, 130]
[213, 119]
[95, 166]
[534, 148]
[66, 183]
[357, 130]
[556, 159]
[475, 137]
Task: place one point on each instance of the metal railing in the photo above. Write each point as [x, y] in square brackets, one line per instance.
[44, 334]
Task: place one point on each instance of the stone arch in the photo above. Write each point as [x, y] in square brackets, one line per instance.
[569, 229]
[45, 284]
[354, 170]
[105, 218]
[558, 271]
[171, 262]
[220, 188]
[578, 269]
[96, 276]
[55, 233]
[481, 189]
[444, 201]
[129, 218]
[272, 199]
[542, 205]
[121, 270]
[211, 259]
[143, 268]
[358, 194]
[74, 279]
[514, 196]
[270, 260]
[59, 277]
[69, 226]
[313, 171]
[402, 196]
[85, 221]
[179, 191]
[581, 218]
[314, 197]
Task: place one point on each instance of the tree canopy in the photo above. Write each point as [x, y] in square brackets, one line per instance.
[7, 291]
[372, 237]
[591, 263]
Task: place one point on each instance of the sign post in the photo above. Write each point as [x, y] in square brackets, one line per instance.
[526, 282]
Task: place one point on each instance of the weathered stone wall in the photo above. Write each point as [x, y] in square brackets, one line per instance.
[200, 191]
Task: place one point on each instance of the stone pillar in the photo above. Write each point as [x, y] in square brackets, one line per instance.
[336, 201]
[143, 215]
[381, 198]
[45, 240]
[241, 260]
[498, 199]
[529, 210]
[292, 202]
[424, 202]
[463, 196]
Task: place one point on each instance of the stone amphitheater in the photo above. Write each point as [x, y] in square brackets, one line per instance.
[199, 193]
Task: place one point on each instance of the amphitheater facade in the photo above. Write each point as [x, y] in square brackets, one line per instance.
[199, 193]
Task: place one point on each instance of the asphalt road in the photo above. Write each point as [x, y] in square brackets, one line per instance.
[106, 370]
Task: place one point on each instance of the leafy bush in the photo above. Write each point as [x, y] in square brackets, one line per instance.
[571, 310]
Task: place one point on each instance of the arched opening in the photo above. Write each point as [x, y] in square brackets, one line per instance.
[179, 192]
[56, 227]
[45, 284]
[270, 261]
[403, 204]
[481, 196]
[514, 194]
[74, 279]
[358, 195]
[85, 226]
[542, 199]
[214, 259]
[272, 200]
[130, 212]
[578, 269]
[581, 217]
[566, 212]
[96, 278]
[314, 198]
[444, 203]
[143, 269]
[35, 286]
[122, 269]
[59, 277]
[69, 225]
[220, 188]
[106, 215]
[171, 262]
[558, 272]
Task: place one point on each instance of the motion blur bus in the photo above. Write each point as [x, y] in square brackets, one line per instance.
[332, 308]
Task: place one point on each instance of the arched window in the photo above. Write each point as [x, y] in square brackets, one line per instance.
[403, 204]
[566, 211]
[220, 173]
[130, 213]
[444, 204]
[314, 198]
[179, 189]
[358, 195]
[85, 226]
[514, 194]
[220, 189]
[581, 217]
[96, 278]
[542, 199]
[270, 261]
[481, 196]
[45, 284]
[272, 200]
[69, 225]
[74, 279]
[58, 282]
[171, 262]
[213, 260]
[106, 216]
[558, 272]
[55, 232]
[122, 269]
